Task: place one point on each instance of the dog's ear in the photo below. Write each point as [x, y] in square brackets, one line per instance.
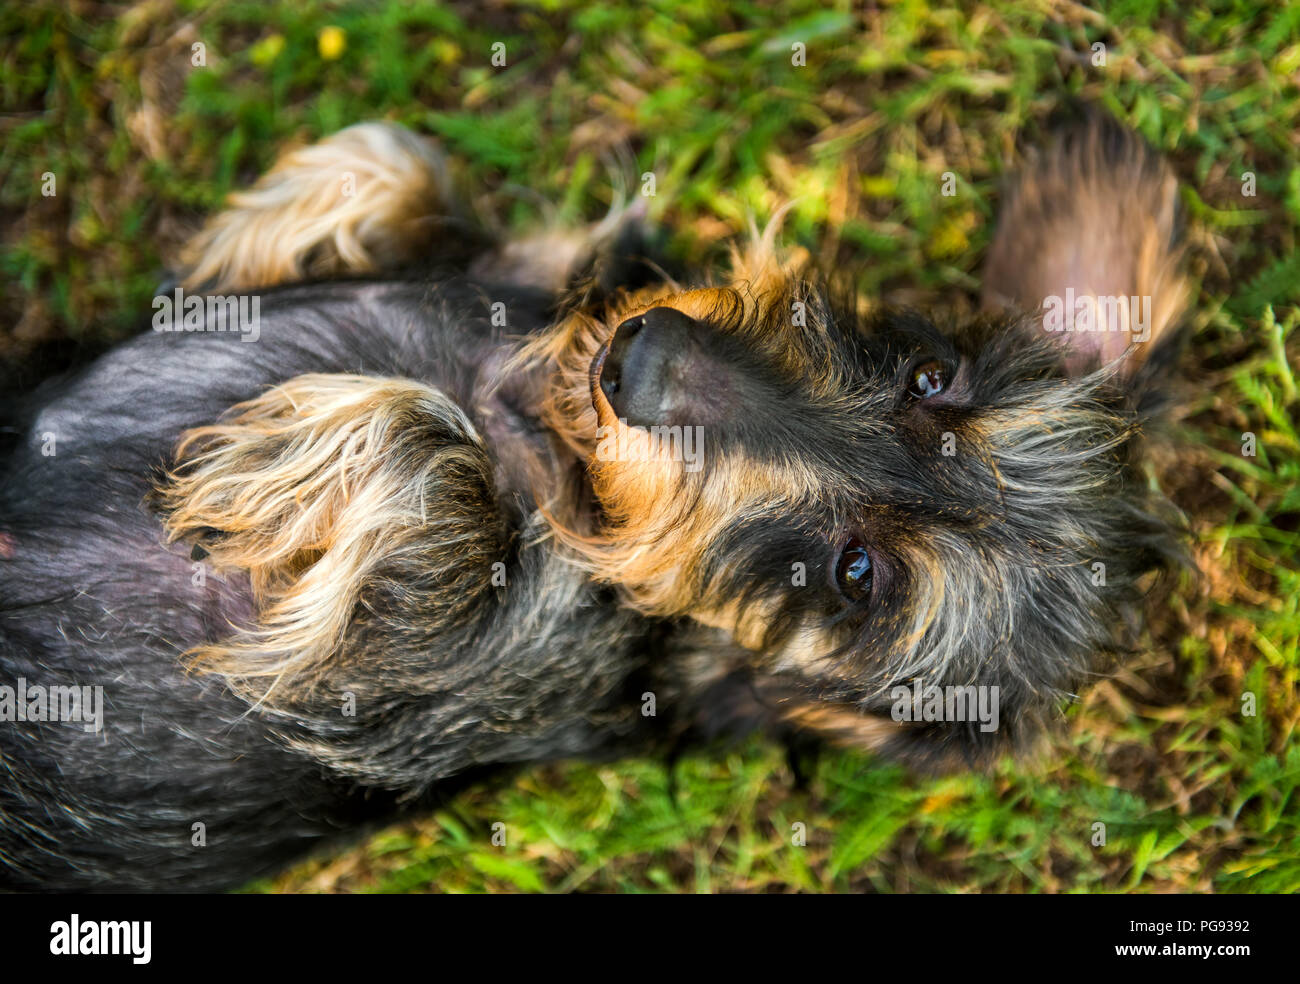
[932, 748]
[1089, 235]
[366, 198]
[725, 699]
[346, 500]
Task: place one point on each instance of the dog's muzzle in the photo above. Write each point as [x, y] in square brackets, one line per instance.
[665, 368]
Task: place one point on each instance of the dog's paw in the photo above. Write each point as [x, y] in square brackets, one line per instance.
[346, 500]
[363, 199]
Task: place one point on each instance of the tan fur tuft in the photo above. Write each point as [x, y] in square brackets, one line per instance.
[359, 200]
[327, 491]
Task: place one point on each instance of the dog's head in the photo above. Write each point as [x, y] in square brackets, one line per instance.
[864, 503]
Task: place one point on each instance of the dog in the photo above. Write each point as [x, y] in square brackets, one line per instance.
[463, 504]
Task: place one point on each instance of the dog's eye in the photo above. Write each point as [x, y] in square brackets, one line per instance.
[853, 570]
[928, 379]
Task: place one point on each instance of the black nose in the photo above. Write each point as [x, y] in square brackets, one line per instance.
[641, 372]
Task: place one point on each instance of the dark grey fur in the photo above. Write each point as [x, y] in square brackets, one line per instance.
[91, 596]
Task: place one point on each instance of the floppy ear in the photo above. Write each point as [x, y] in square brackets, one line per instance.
[1085, 228]
[718, 694]
[936, 748]
[362, 199]
[742, 702]
[347, 500]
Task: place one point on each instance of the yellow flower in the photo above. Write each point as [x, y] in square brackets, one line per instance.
[949, 239]
[331, 42]
[265, 51]
[447, 52]
[879, 186]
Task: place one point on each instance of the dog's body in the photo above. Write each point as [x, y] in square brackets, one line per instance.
[405, 555]
[91, 596]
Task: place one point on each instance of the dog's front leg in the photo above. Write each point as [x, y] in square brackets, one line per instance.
[349, 502]
[403, 630]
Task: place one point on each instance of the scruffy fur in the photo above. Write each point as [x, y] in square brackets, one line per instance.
[367, 198]
[324, 575]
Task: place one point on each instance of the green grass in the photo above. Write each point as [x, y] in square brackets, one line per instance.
[1195, 795]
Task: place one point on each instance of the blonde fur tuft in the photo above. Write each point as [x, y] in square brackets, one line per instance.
[331, 492]
[360, 200]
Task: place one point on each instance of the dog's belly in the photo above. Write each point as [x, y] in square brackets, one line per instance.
[172, 782]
